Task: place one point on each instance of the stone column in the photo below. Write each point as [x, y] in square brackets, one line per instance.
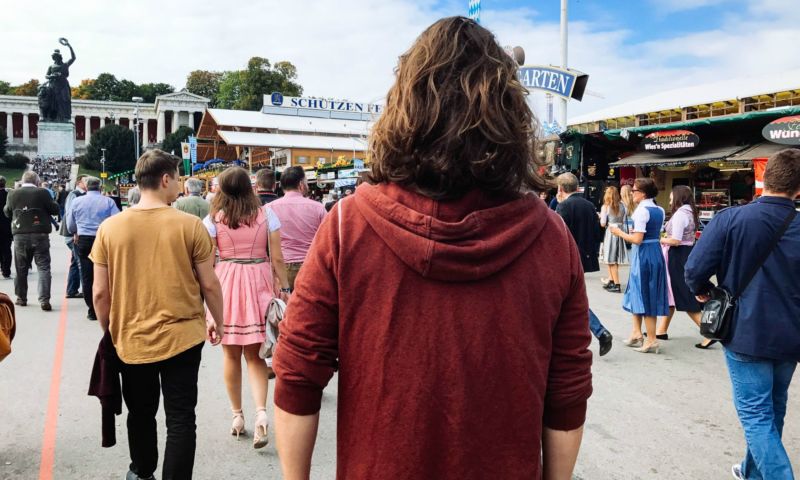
[116, 120]
[26, 130]
[10, 126]
[102, 121]
[87, 122]
[162, 127]
[176, 115]
[145, 133]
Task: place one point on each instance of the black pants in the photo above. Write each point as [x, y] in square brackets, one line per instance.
[32, 247]
[5, 254]
[176, 377]
[84, 248]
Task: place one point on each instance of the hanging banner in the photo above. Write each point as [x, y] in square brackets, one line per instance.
[670, 142]
[185, 151]
[474, 10]
[759, 165]
[785, 131]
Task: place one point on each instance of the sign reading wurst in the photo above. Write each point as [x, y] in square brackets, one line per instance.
[670, 142]
[785, 131]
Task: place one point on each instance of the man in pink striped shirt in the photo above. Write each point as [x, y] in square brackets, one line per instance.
[300, 219]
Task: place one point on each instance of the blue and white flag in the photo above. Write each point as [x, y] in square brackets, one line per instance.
[475, 10]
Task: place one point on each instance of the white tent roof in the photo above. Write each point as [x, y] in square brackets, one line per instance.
[279, 140]
[288, 123]
[697, 95]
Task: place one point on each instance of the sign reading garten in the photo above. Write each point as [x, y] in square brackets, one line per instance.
[670, 142]
[785, 131]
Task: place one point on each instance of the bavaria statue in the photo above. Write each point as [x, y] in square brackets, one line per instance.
[55, 102]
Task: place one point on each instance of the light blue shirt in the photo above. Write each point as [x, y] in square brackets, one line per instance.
[86, 213]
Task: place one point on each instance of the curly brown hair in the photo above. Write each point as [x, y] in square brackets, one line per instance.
[456, 118]
[235, 198]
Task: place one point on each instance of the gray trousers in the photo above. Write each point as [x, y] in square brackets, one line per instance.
[36, 247]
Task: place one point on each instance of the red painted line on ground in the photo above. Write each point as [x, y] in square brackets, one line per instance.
[51, 418]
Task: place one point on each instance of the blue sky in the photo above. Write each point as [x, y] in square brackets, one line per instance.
[349, 48]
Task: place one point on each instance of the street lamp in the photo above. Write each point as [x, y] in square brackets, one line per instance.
[103, 163]
[137, 101]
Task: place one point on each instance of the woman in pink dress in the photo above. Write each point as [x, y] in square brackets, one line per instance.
[241, 229]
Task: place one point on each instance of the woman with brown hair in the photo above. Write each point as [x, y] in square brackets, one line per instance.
[615, 254]
[680, 239]
[444, 290]
[242, 229]
[646, 293]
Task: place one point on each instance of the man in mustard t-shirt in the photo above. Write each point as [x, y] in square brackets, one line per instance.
[148, 293]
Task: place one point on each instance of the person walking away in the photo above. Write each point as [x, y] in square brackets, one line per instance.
[763, 347]
[30, 209]
[84, 217]
[74, 275]
[193, 202]
[583, 223]
[265, 183]
[614, 252]
[50, 191]
[447, 219]
[646, 294]
[61, 200]
[245, 272]
[300, 218]
[6, 238]
[678, 243]
[148, 293]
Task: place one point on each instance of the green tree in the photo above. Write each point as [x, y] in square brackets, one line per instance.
[205, 84]
[104, 87]
[245, 89]
[230, 89]
[17, 161]
[120, 149]
[149, 91]
[5, 88]
[172, 142]
[28, 89]
[125, 91]
[261, 78]
[3, 142]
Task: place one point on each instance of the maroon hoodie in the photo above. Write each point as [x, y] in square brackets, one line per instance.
[459, 329]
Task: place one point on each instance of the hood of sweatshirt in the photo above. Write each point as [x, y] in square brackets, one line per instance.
[460, 240]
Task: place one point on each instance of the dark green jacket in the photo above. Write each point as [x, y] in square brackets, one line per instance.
[29, 209]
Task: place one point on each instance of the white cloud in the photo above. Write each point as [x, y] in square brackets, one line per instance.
[672, 6]
[349, 48]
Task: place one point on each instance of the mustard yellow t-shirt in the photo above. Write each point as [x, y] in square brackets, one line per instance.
[157, 310]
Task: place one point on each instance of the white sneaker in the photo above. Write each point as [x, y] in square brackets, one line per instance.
[736, 471]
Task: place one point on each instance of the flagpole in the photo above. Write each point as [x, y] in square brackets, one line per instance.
[564, 47]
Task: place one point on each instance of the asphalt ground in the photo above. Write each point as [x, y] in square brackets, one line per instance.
[666, 416]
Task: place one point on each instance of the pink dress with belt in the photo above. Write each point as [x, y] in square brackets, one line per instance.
[246, 287]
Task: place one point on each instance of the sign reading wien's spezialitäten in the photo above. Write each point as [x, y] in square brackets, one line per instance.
[785, 131]
[670, 142]
[564, 83]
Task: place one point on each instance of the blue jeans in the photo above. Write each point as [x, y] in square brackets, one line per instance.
[595, 326]
[74, 275]
[760, 392]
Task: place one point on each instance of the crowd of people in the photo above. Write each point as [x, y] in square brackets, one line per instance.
[54, 170]
[448, 297]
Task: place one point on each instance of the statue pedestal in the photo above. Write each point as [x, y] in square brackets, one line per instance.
[56, 140]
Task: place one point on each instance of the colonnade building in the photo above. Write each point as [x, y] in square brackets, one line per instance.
[19, 117]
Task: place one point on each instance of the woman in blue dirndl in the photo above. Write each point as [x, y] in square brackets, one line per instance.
[646, 293]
